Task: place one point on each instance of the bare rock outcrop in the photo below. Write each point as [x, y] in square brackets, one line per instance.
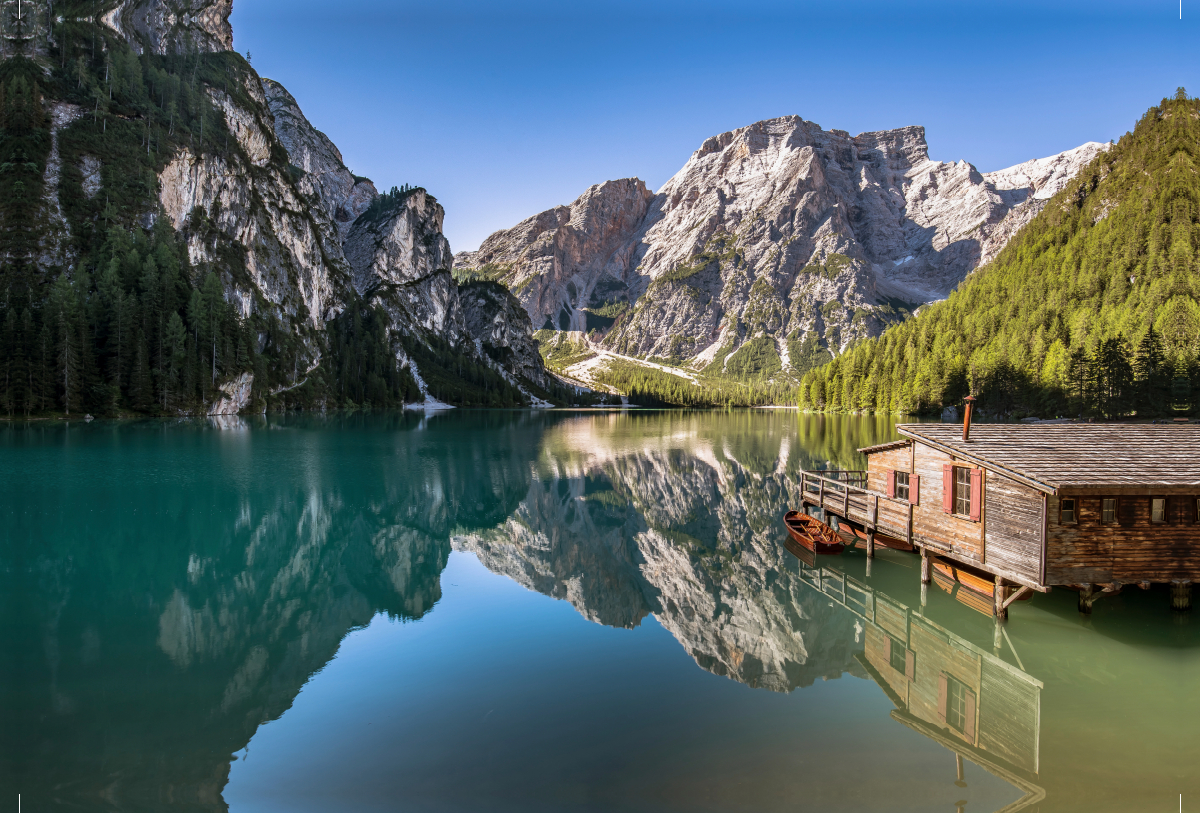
[770, 234]
[495, 318]
[343, 195]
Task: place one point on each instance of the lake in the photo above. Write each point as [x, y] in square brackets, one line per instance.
[534, 611]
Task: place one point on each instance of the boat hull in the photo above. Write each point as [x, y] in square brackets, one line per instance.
[812, 534]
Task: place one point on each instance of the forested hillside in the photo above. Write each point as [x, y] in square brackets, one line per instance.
[109, 306]
[1093, 309]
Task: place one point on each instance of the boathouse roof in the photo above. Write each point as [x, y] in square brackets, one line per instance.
[1119, 458]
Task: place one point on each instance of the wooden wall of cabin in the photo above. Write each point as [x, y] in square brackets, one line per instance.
[1089, 551]
[950, 533]
[880, 463]
[1013, 525]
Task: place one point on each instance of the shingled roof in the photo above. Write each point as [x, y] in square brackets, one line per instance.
[1075, 456]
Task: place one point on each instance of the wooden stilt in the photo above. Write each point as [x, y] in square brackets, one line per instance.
[926, 567]
[1181, 595]
[870, 545]
[1087, 597]
[869, 561]
[924, 594]
[999, 594]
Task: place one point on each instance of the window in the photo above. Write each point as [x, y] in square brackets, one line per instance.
[1158, 510]
[1067, 512]
[962, 491]
[956, 704]
[902, 485]
[899, 656]
[1108, 510]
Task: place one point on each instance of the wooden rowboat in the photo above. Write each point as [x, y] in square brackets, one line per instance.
[813, 534]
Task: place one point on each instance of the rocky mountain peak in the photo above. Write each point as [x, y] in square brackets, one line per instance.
[780, 239]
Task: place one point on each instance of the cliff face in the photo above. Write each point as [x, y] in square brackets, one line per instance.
[777, 230]
[293, 233]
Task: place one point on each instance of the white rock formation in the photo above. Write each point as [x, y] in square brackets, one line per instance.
[777, 230]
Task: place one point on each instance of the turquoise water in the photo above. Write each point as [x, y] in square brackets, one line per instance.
[518, 611]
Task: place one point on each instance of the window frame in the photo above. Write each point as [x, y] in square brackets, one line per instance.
[1074, 511]
[1109, 519]
[1164, 518]
[960, 484]
[954, 687]
[902, 490]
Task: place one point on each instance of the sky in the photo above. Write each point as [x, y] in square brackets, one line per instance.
[502, 109]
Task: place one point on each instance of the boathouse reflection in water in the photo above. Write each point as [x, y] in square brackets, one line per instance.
[944, 687]
[205, 610]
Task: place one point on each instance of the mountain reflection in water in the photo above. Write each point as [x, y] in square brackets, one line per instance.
[171, 587]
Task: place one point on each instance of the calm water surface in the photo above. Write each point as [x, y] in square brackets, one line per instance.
[534, 612]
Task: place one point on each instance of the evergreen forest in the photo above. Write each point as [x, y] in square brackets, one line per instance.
[127, 324]
[1092, 310]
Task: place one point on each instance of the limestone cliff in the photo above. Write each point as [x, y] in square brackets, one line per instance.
[293, 234]
[778, 231]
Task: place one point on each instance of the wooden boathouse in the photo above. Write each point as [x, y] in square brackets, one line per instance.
[1095, 507]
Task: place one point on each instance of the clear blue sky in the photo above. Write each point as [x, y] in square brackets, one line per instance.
[504, 109]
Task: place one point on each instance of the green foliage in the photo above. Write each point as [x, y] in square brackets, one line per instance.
[488, 272]
[646, 386]
[808, 354]
[455, 378]
[834, 265]
[1049, 327]
[388, 203]
[756, 359]
[132, 325]
[561, 349]
[364, 368]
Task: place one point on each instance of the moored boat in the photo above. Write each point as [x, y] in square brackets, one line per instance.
[813, 534]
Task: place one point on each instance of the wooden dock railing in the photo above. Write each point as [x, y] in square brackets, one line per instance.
[845, 494]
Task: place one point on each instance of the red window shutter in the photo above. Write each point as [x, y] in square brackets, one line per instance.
[943, 694]
[948, 488]
[887, 648]
[976, 495]
[891, 483]
[914, 488]
[910, 664]
[969, 730]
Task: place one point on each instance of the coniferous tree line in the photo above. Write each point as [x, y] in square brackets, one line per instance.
[648, 387]
[1093, 309]
[130, 324]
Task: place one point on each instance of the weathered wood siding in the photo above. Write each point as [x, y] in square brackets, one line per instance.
[1013, 530]
[877, 650]
[1093, 552]
[880, 463]
[1009, 714]
[935, 655]
[950, 533]
[1007, 701]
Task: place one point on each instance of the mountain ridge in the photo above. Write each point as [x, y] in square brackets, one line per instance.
[776, 232]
